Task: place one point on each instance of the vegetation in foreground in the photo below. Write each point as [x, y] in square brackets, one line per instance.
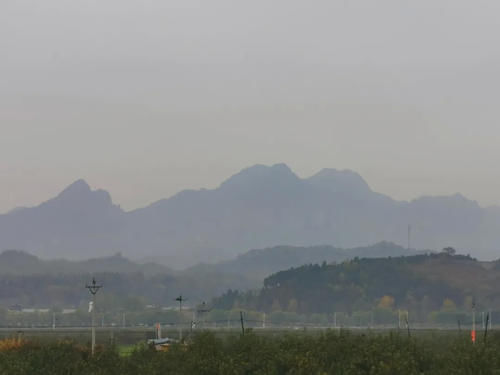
[327, 353]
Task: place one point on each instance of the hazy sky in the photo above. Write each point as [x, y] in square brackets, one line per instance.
[147, 97]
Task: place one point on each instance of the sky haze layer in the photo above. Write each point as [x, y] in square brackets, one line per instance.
[147, 98]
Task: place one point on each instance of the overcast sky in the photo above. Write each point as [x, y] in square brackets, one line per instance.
[148, 97]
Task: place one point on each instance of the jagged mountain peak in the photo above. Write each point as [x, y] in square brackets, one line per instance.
[78, 187]
[79, 192]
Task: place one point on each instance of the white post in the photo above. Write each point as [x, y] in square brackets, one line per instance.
[335, 319]
[53, 320]
[264, 321]
[93, 324]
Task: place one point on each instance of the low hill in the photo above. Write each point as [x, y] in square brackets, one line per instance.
[17, 262]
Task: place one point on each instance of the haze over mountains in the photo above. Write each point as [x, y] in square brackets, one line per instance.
[261, 206]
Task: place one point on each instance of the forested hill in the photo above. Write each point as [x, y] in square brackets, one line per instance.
[421, 284]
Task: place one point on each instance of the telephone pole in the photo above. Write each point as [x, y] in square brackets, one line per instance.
[242, 323]
[180, 299]
[93, 289]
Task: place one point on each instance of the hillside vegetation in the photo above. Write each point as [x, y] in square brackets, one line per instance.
[419, 284]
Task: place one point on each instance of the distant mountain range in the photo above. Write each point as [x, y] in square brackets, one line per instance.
[262, 206]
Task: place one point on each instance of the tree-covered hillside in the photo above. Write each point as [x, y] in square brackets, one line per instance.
[420, 284]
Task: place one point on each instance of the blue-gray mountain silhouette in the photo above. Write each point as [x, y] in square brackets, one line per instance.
[261, 206]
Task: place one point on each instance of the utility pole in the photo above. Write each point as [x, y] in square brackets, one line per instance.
[335, 319]
[180, 299]
[407, 324]
[242, 324]
[93, 289]
[486, 326]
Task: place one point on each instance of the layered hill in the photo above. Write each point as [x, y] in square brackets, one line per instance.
[262, 206]
[15, 262]
[28, 280]
[257, 264]
[33, 282]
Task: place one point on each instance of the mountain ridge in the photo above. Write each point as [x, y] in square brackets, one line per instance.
[258, 207]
